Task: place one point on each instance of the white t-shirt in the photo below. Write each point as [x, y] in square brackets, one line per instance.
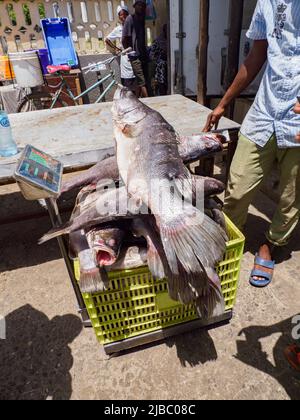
[126, 67]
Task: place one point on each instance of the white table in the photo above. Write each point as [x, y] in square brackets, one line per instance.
[80, 136]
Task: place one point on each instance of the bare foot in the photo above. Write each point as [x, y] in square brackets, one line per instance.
[265, 252]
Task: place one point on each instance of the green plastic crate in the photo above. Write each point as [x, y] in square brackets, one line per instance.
[137, 304]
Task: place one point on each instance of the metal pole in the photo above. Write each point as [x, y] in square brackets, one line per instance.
[181, 35]
[236, 25]
[56, 221]
[203, 51]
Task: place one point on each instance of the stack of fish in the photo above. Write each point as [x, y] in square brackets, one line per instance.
[145, 196]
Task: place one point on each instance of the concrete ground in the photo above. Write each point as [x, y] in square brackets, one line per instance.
[47, 354]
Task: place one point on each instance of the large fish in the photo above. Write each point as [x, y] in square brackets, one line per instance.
[91, 280]
[105, 169]
[147, 151]
[191, 148]
[97, 208]
[91, 199]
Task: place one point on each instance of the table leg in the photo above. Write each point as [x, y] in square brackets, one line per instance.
[206, 167]
[56, 221]
[234, 136]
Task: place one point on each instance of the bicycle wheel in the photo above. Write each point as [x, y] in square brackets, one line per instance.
[35, 102]
[39, 101]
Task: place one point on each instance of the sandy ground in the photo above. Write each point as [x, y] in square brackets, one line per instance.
[47, 354]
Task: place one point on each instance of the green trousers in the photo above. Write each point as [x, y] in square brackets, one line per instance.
[251, 165]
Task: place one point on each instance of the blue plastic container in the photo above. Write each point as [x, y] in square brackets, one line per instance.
[59, 42]
[44, 59]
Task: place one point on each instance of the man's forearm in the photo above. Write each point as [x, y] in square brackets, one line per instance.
[112, 46]
[247, 73]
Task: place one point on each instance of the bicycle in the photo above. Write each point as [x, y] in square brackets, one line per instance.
[39, 99]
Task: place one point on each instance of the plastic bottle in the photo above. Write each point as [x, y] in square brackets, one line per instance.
[8, 146]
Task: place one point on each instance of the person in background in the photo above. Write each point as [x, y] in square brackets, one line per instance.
[159, 54]
[114, 44]
[134, 36]
[269, 133]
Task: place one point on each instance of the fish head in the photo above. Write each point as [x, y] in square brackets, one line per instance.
[106, 245]
[128, 112]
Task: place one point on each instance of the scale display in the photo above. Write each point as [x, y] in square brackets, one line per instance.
[40, 171]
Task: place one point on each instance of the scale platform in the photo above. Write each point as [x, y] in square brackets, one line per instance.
[38, 174]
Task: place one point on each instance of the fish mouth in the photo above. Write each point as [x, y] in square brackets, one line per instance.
[105, 256]
[122, 92]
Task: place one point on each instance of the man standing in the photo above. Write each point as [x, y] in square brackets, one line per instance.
[134, 36]
[114, 44]
[270, 131]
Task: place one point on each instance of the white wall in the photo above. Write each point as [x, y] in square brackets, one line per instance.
[191, 28]
[218, 24]
[218, 41]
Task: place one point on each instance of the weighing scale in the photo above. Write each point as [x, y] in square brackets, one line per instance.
[39, 176]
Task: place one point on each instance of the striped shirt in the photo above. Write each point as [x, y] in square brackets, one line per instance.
[277, 21]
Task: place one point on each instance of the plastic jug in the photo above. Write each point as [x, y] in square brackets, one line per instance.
[8, 146]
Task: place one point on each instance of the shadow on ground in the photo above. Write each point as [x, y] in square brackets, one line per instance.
[35, 358]
[19, 245]
[251, 353]
[194, 348]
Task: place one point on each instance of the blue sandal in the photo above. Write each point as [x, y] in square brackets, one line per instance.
[266, 277]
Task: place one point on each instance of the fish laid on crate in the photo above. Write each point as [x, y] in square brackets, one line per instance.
[147, 151]
[90, 212]
[183, 243]
[191, 148]
[90, 200]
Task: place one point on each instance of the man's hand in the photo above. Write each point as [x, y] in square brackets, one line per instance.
[214, 118]
[247, 73]
[297, 110]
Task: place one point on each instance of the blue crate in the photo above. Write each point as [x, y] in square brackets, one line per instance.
[58, 39]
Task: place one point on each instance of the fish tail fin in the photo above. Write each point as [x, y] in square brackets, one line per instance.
[212, 303]
[92, 281]
[201, 289]
[55, 233]
[155, 263]
[193, 239]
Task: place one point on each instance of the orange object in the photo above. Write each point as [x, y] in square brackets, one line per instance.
[292, 353]
[6, 68]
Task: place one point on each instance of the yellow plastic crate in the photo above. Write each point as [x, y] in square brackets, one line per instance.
[137, 304]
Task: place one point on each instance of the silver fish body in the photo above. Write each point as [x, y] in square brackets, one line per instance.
[191, 148]
[147, 150]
